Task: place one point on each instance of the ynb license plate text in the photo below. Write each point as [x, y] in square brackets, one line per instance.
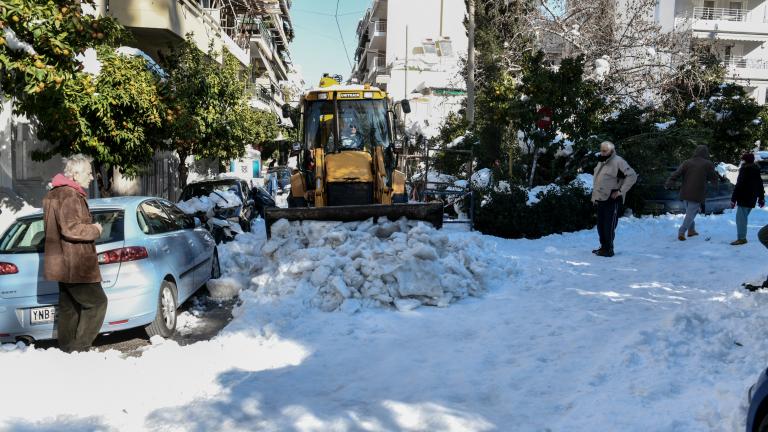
[42, 315]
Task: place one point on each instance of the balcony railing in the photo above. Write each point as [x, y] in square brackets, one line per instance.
[719, 14]
[733, 62]
[379, 63]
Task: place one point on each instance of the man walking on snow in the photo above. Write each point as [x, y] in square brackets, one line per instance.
[695, 173]
[613, 179]
[70, 256]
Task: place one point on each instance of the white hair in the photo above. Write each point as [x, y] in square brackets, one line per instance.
[75, 164]
[609, 144]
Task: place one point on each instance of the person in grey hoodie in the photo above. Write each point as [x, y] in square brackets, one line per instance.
[695, 172]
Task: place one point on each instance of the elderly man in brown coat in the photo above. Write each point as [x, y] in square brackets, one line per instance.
[70, 256]
[695, 173]
[613, 179]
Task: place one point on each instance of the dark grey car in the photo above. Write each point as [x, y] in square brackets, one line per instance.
[660, 200]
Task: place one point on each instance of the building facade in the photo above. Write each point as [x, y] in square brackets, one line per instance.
[737, 29]
[257, 33]
[413, 50]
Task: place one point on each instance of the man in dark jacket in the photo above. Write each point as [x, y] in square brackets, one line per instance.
[695, 173]
[70, 256]
[748, 192]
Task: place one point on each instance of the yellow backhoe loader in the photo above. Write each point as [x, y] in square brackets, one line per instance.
[347, 159]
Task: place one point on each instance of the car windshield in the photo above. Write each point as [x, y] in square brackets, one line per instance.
[205, 189]
[28, 234]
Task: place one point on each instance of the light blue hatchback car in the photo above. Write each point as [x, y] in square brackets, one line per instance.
[152, 258]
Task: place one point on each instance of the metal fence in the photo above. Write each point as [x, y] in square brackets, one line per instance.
[162, 178]
[724, 14]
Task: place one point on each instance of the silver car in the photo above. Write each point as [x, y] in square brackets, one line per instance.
[152, 258]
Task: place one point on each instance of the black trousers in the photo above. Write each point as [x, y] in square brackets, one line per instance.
[82, 307]
[607, 219]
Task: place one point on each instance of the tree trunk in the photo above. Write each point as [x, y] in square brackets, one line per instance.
[183, 170]
[533, 167]
[105, 186]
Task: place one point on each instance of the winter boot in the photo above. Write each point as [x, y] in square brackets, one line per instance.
[692, 233]
[681, 237]
[604, 253]
[738, 242]
[597, 251]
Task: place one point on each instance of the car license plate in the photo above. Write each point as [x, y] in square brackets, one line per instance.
[42, 315]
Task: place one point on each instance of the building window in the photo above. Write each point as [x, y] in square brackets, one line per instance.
[429, 47]
[445, 48]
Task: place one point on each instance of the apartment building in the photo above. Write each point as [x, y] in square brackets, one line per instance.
[256, 32]
[413, 50]
[738, 30]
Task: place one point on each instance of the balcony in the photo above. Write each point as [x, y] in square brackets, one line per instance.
[378, 32]
[740, 68]
[156, 24]
[724, 23]
[719, 14]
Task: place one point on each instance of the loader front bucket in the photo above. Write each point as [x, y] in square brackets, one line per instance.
[427, 212]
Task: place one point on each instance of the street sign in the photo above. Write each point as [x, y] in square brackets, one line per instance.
[545, 118]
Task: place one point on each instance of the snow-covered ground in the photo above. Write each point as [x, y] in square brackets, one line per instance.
[661, 337]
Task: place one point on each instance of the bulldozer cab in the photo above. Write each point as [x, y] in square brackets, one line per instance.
[348, 124]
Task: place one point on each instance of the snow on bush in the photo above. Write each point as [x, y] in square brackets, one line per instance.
[16, 44]
[582, 180]
[403, 264]
[482, 178]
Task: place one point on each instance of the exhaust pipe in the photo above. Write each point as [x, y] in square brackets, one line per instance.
[27, 340]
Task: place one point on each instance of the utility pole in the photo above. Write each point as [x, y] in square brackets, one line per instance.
[471, 65]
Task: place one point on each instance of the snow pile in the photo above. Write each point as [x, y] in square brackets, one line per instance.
[405, 264]
[224, 288]
[207, 204]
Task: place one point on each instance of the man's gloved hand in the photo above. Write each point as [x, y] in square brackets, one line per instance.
[761, 203]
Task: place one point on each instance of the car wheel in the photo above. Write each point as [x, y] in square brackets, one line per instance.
[165, 321]
[216, 267]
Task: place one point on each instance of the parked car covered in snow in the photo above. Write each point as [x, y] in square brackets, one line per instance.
[235, 202]
[660, 200]
[152, 258]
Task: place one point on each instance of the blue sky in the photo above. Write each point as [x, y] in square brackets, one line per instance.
[317, 47]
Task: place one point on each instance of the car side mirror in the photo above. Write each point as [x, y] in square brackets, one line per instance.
[198, 222]
[406, 106]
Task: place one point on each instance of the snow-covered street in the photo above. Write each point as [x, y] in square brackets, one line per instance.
[661, 337]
